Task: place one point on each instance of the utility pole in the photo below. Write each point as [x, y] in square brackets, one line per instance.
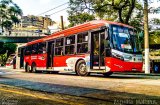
[146, 38]
[62, 24]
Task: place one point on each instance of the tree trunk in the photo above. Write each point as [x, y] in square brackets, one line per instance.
[146, 38]
[120, 15]
[130, 12]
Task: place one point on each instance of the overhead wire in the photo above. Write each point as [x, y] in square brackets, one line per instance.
[58, 11]
[53, 8]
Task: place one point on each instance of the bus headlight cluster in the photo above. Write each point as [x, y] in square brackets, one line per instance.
[117, 56]
[139, 59]
[127, 57]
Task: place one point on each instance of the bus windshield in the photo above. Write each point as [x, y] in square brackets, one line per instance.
[124, 39]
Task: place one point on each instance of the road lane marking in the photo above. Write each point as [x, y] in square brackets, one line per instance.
[41, 97]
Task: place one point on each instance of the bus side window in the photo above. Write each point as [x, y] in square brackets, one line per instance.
[70, 45]
[59, 51]
[28, 50]
[59, 46]
[42, 48]
[34, 49]
[82, 42]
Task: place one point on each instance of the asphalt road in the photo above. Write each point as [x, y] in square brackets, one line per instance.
[10, 95]
[117, 89]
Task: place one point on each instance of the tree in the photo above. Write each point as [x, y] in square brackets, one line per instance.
[120, 10]
[10, 47]
[3, 58]
[7, 25]
[9, 12]
[79, 18]
[6, 50]
[156, 21]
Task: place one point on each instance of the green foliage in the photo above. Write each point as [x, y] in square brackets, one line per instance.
[136, 22]
[3, 58]
[6, 49]
[114, 10]
[7, 24]
[80, 18]
[10, 47]
[154, 37]
[9, 12]
[156, 21]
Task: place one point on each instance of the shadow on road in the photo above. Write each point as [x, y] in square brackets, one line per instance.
[113, 76]
[92, 93]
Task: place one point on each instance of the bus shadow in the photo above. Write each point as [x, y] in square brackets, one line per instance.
[113, 76]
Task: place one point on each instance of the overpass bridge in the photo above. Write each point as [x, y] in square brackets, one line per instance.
[20, 38]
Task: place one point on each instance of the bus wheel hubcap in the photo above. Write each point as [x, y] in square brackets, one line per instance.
[82, 68]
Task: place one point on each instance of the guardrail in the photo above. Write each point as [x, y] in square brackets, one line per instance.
[20, 34]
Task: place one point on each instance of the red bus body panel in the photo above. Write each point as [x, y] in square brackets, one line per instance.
[39, 59]
[60, 61]
[118, 65]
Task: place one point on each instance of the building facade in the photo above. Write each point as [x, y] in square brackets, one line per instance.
[35, 24]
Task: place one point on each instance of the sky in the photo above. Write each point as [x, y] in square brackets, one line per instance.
[154, 4]
[36, 7]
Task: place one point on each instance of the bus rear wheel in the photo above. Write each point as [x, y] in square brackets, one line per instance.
[81, 68]
[27, 69]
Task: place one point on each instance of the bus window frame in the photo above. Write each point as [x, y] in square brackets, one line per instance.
[37, 48]
[55, 40]
[41, 52]
[85, 42]
[28, 50]
[65, 44]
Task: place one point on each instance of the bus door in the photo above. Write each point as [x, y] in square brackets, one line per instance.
[21, 57]
[50, 54]
[97, 50]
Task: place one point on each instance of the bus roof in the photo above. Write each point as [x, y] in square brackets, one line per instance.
[77, 29]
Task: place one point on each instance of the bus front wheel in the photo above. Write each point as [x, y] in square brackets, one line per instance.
[107, 74]
[81, 68]
[33, 68]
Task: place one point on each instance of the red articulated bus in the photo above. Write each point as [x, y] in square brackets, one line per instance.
[97, 46]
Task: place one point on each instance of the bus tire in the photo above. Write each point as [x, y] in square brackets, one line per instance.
[54, 72]
[33, 68]
[27, 68]
[107, 74]
[81, 68]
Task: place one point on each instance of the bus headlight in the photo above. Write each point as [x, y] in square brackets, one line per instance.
[117, 56]
[127, 57]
